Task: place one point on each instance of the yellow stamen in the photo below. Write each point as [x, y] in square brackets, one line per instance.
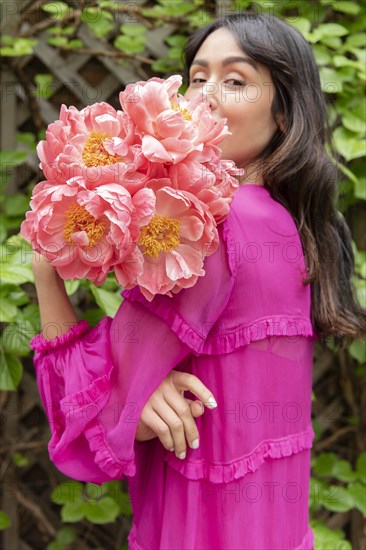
[79, 219]
[94, 153]
[184, 112]
[160, 235]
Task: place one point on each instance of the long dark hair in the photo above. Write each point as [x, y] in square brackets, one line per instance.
[296, 168]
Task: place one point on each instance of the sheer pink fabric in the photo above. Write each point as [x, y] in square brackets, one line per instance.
[245, 331]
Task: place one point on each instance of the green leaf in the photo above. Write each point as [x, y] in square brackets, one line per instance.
[358, 492]
[349, 145]
[132, 29]
[70, 29]
[3, 231]
[57, 41]
[74, 44]
[302, 25]
[44, 85]
[57, 10]
[130, 45]
[356, 40]
[16, 274]
[93, 492]
[8, 311]
[331, 80]
[103, 511]
[357, 350]
[7, 39]
[120, 497]
[27, 138]
[328, 539]
[16, 295]
[361, 467]
[20, 46]
[11, 371]
[324, 463]
[99, 22]
[338, 499]
[68, 492]
[73, 511]
[16, 205]
[72, 286]
[93, 316]
[10, 159]
[107, 301]
[333, 42]
[16, 337]
[343, 470]
[65, 536]
[4, 521]
[354, 123]
[176, 40]
[322, 54]
[348, 7]
[20, 460]
[331, 29]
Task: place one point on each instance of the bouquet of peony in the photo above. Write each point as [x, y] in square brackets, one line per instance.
[138, 191]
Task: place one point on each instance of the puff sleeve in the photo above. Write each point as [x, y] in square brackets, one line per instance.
[95, 382]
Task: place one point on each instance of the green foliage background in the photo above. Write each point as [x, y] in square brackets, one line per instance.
[335, 31]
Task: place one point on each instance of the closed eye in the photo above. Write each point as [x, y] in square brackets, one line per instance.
[235, 82]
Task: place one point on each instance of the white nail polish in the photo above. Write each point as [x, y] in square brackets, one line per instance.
[211, 403]
[182, 456]
[195, 444]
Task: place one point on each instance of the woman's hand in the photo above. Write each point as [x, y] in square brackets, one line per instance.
[169, 416]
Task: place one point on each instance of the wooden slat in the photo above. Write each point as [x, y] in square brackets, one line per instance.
[59, 67]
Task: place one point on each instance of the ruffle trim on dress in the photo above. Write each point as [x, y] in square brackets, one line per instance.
[41, 344]
[132, 543]
[307, 542]
[227, 472]
[222, 342]
[228, 237]
[77, 410]
[104, 456]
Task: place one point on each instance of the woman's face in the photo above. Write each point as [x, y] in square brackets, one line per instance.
[238, 91]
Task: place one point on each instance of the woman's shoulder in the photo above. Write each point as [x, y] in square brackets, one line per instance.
[255, 213]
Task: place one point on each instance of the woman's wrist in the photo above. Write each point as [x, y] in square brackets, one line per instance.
[42, 269]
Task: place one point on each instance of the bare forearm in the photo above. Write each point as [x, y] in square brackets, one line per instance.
[56, 311]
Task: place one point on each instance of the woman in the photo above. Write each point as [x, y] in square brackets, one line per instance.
[243, 335]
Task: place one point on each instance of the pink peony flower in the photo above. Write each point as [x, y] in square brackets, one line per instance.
[174, 243]
[84, 232]
[170, 127]
[97, 143]
[213, 183]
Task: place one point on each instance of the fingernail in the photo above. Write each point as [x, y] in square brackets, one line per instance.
[171, 449]
[195, 444]
[182, 456]
[211, 403]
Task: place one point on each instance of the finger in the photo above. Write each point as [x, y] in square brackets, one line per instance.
[186, 381]
[153, 421]
[183, 410]
[197, 409]
[174, 422]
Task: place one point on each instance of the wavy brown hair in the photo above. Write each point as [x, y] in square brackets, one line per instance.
[296, 167]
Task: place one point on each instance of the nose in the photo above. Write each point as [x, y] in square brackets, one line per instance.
[209, 94]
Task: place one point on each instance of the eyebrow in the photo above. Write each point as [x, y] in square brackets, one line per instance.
[228, 61]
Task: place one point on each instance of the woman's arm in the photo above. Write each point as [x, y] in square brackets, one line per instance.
[56, 311]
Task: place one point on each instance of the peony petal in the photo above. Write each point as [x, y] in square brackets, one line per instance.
[154, 150]
[191, 228]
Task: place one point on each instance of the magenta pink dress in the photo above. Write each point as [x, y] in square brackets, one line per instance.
[245, 330]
